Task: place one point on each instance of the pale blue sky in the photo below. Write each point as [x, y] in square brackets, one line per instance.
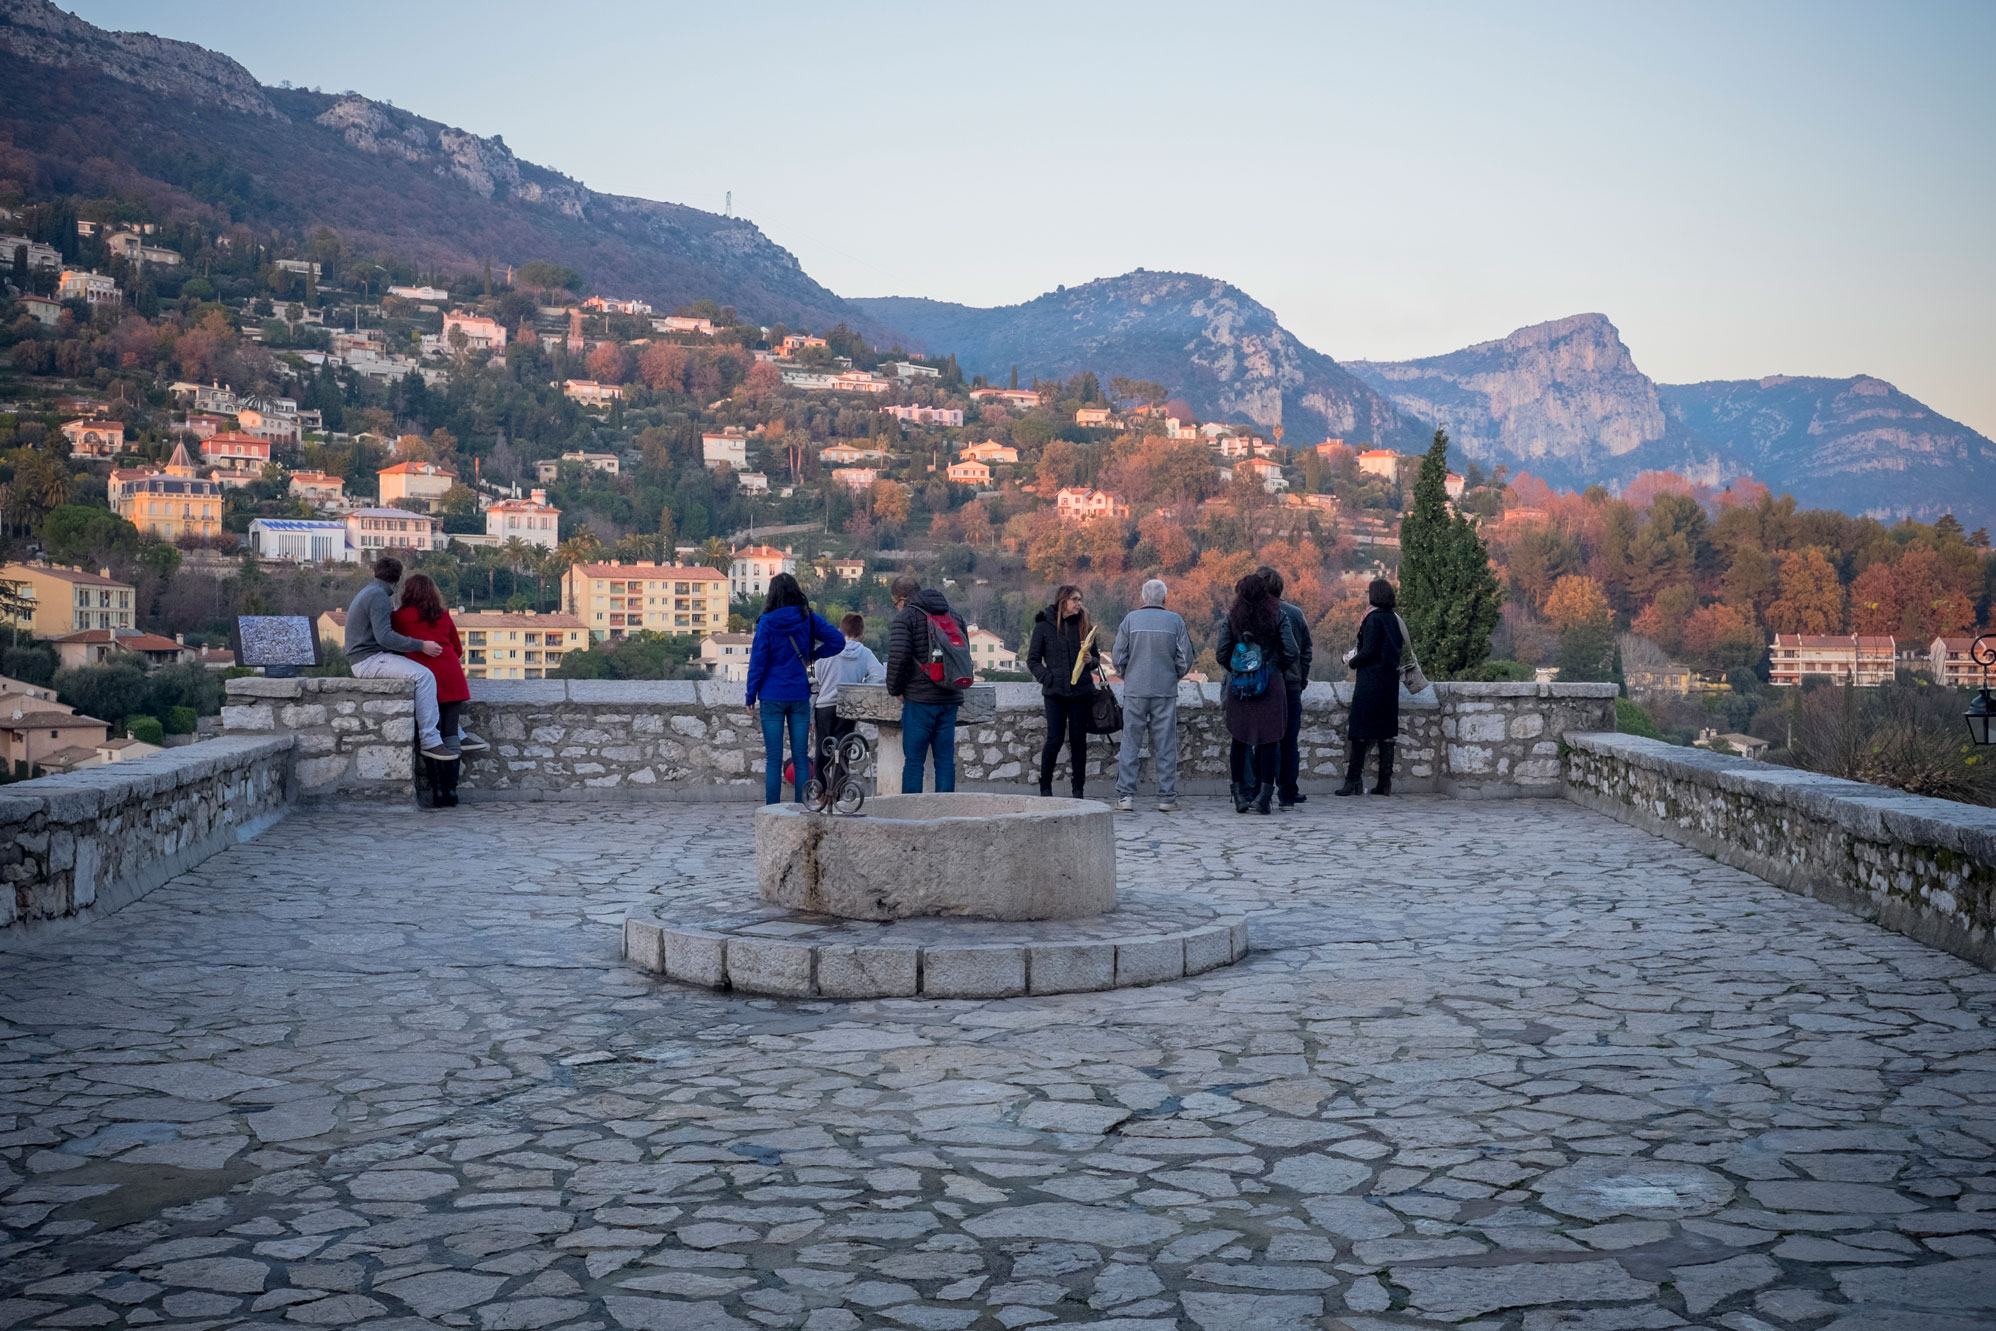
[1744, 188]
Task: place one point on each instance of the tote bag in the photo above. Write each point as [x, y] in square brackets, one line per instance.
[1105, 714]
[1411, 677]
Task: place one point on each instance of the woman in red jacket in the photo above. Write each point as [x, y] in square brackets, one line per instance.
[422, 616]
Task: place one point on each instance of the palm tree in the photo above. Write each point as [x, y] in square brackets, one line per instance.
[518, 557]
[581, 547]
[715, 554]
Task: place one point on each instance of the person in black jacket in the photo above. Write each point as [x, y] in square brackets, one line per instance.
[1375, 693]
[1289, 764]
[928, 707]
[1063, 657]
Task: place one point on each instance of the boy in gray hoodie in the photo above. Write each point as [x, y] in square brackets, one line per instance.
[855, 665]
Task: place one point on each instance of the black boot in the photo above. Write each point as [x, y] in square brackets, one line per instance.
[447, 792]
[1385, 786]
[1262, 798]
[433, 781]
[1354, 770]
[1242, 796]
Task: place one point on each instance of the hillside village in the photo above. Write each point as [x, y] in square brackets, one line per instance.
[220, 421]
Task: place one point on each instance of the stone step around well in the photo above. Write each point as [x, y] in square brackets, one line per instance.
[810, 962]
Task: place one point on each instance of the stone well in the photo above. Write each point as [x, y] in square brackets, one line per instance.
[993, 857]
[955, 895]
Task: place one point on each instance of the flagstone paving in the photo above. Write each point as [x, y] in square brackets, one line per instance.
[1502, 1065]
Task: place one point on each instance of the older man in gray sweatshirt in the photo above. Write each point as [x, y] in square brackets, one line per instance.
[1152, 653]
[374, 651]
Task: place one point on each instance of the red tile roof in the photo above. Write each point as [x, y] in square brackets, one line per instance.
[131, 642]
[674, 572]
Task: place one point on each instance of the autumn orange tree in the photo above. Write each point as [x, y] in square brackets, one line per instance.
[1810, 598]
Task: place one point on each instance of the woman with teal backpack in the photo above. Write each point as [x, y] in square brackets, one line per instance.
[1256, 643]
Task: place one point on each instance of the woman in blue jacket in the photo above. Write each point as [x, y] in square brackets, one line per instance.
[789, 635]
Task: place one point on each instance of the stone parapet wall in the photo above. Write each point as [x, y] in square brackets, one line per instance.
[92, 841]
[1503, 740]
[353, 736]
[1923, 867]
[593, 739]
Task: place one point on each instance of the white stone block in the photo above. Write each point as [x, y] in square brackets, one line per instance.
[1149, 960]
[249, 717]
[695, 957]
[1485, 727]
[316, 774]
[383, 762]
[1209, 948]
[974, 971]
[846, 971]
[1067, 968]
[644, 943]
[770, 966]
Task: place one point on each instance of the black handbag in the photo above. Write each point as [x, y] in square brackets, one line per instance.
[1105, 714]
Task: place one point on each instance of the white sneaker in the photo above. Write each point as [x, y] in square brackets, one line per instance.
[1124, 805]
[1168, 806]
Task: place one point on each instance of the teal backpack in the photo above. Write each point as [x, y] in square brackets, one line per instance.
[1247, 670]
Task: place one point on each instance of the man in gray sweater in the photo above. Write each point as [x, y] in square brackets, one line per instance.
[1152, 653]
[374, 651]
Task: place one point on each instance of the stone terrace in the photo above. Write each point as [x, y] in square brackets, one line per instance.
[1498, 1065]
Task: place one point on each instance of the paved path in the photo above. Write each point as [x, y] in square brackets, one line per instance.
[1505, 1065]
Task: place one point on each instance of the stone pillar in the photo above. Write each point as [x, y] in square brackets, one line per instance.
[872, 702]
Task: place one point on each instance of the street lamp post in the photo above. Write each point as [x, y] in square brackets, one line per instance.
[1981, 709]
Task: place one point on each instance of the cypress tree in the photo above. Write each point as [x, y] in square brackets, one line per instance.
[1448, 595]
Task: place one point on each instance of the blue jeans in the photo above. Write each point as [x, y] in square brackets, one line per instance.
[776, 713]
[928, 727]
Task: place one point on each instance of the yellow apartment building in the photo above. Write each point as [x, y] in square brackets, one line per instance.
[67, 600]
[498, 644]
[615, 599]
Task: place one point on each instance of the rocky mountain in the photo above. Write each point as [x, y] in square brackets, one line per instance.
[1204, 340]
[1565, 401]
[1857, 444]
[1563, 396]
[83, 109]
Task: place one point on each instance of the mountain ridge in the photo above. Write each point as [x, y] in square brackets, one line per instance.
[1204, 339]
[130, 112]
[1565, 400]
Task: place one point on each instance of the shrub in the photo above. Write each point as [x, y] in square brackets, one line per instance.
[1907, 735]
[106, 692]
[145, 729]
[182, 720]
[333, 663]
[1633, 720]
[30, 665]
[1503, 672]
[185, 685]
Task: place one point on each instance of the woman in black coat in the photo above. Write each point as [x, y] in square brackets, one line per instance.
[1063, 657]
[1375, 694]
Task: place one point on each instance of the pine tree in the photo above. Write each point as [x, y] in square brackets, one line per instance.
[1448, 595]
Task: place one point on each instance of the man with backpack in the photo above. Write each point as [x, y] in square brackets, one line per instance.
[928, 668]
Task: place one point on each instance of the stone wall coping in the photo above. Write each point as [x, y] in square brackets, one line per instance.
[1876, 813]
[1454, 688]
[83, 795]
[1010, 695]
